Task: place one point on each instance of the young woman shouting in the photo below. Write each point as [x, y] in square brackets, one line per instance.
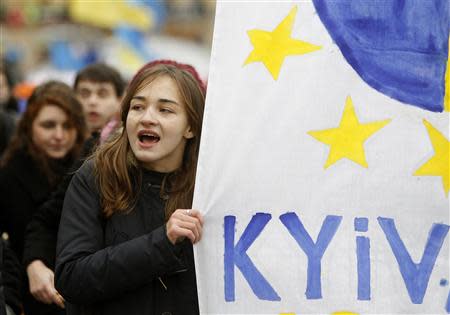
[126, 232]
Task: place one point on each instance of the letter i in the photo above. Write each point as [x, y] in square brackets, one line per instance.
[363, 259]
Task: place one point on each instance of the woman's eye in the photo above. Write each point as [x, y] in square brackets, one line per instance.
[48, 124]
[136, 107]
[166, 110]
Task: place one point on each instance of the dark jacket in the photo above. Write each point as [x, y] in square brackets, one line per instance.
[23, 188]
[2, 295]
[124, 264]
[10, 280]
[42, 231]
[7, 126]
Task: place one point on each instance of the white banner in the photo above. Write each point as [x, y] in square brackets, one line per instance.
[324, 164]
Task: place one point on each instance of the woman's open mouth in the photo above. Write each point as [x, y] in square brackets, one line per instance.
[147, 138]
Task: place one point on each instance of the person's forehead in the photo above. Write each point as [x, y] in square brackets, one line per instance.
[94, 85]
[51, 111]
[163, 82]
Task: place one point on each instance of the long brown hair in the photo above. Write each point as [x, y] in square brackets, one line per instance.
[55, 93]
[118, 172]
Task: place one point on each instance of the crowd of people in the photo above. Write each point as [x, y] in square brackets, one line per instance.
[96, 188]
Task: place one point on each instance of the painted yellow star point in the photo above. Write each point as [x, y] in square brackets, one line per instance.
[271, 48]
[347, 140]
[439, 163]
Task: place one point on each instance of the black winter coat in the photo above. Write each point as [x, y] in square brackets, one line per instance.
[23, 188]
[2, 288]
[10, 280]
[124, 264]
[2, 296]
[42, 231]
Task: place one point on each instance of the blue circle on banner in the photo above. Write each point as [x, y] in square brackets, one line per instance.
[398, 47]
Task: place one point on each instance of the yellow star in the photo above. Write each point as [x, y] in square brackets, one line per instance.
[347, 140]
[439, 163]
[271, 48]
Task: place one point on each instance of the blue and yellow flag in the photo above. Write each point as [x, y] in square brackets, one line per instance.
[113, 13]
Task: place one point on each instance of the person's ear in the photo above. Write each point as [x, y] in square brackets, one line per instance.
[188, 133]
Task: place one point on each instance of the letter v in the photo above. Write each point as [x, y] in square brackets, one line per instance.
[236, 255]
[415, 276]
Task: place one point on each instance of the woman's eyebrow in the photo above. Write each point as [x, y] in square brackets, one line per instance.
[161, 100]
[137, 97]
[165, 100]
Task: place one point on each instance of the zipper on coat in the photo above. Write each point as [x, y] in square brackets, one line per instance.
[163, 284]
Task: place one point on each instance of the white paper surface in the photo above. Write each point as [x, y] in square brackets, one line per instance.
[257, 157]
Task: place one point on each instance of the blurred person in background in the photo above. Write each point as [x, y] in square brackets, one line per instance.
[7, 125]
[8, 107]
[99, 88]
[7, 101]
[48, 139]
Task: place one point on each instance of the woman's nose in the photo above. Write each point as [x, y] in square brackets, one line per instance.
[59, 132]
[149, 116]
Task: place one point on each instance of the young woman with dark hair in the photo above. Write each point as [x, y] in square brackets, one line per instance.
[127, 227]
[99, 89]
[48, 138]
